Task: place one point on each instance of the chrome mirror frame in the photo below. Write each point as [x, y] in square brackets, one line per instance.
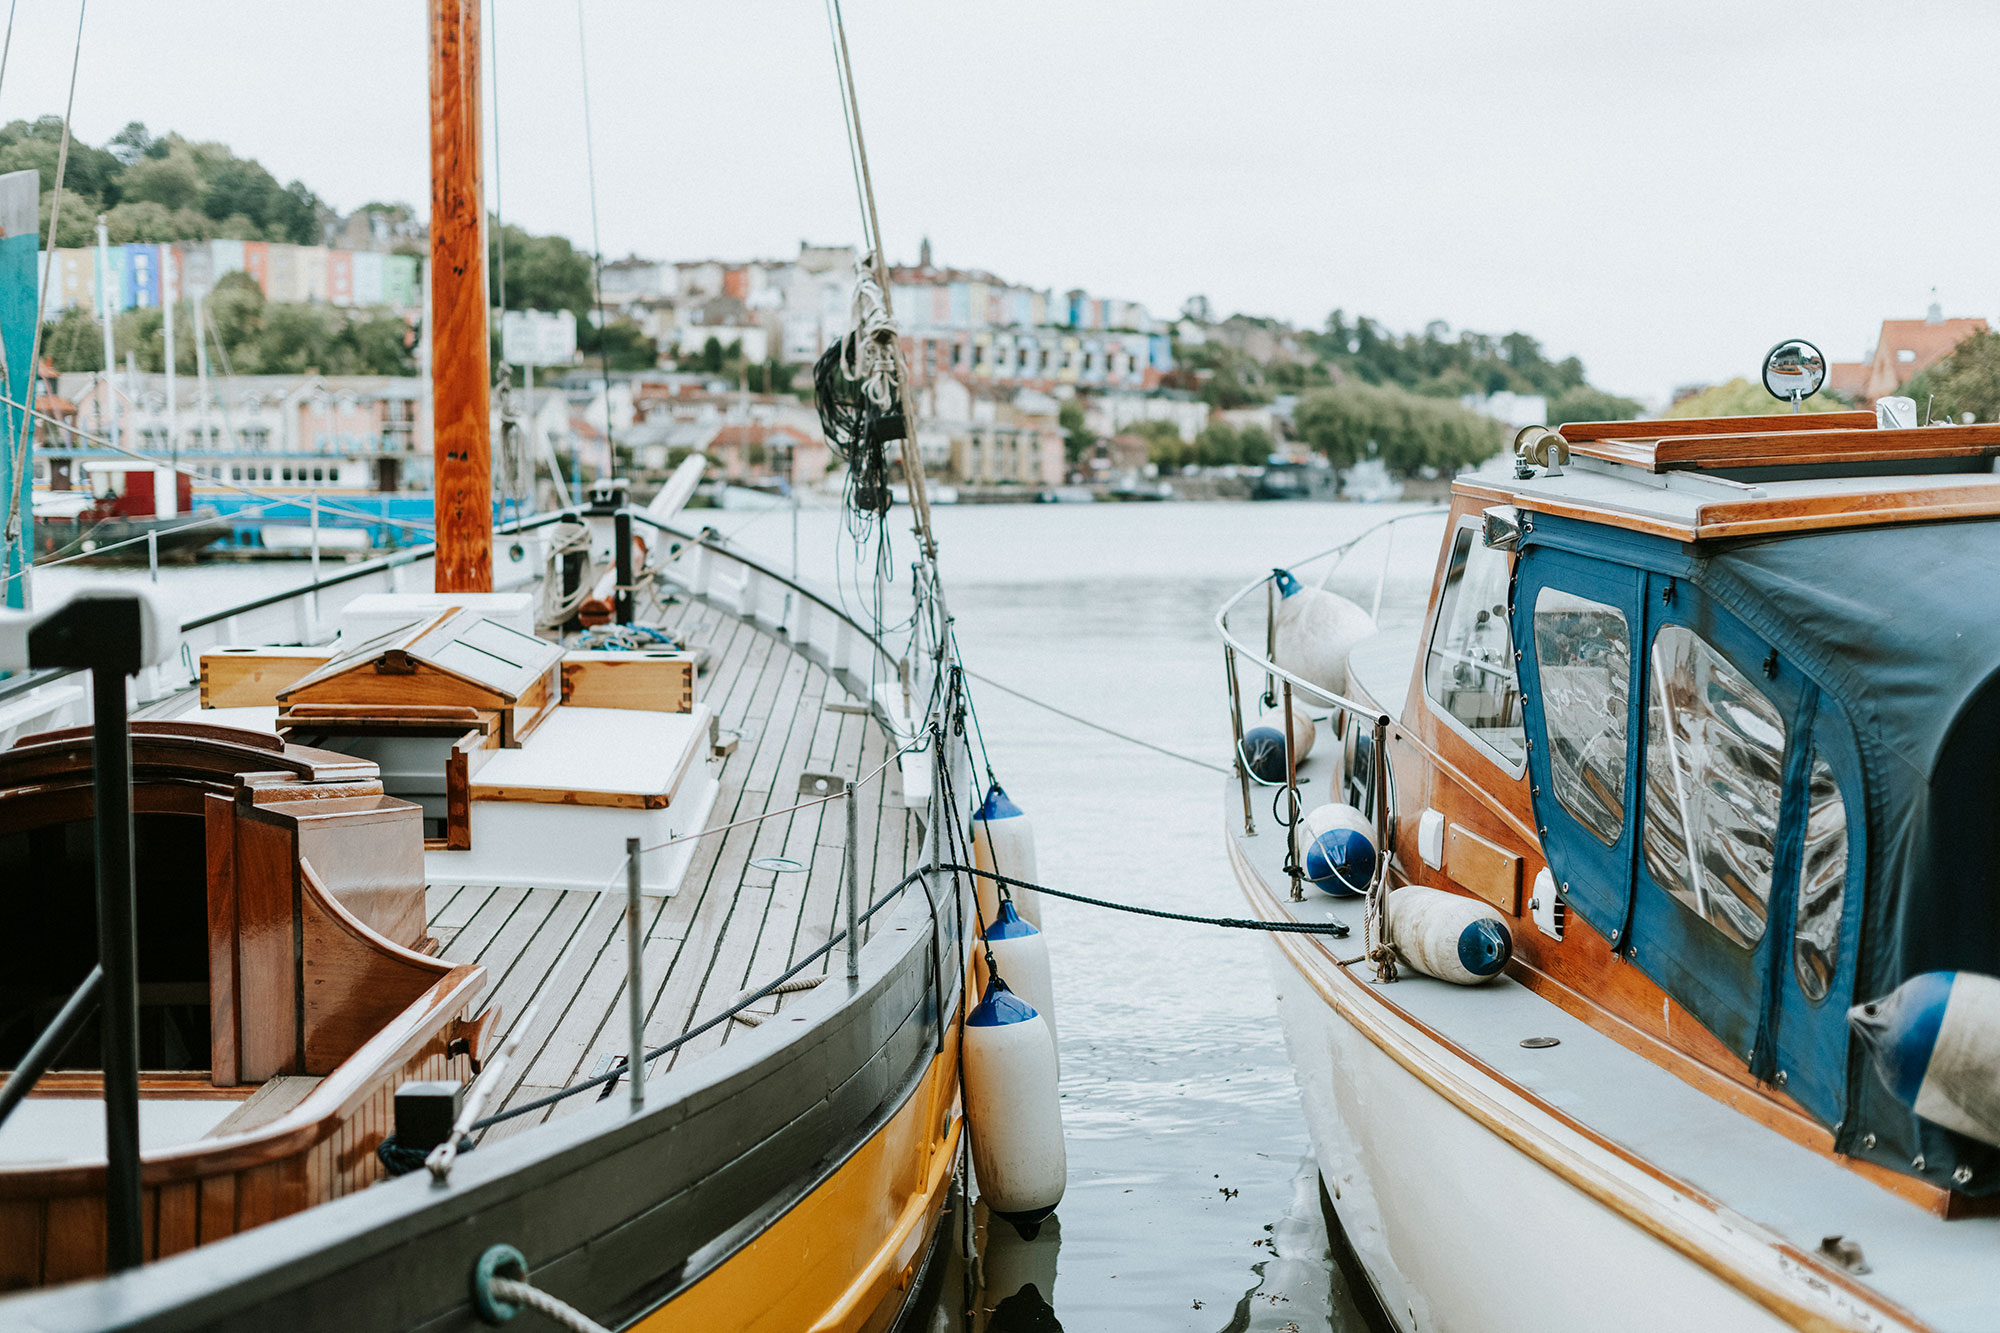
[1798, 359]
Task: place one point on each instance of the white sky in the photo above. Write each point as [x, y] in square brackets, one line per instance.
[1662, 190]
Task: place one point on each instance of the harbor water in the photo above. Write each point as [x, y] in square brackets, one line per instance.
[1192, 1202]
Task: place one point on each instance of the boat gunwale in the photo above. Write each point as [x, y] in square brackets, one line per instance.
[381, 1222]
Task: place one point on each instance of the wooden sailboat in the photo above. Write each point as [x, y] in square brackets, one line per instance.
[1686, 732]
[616, 968]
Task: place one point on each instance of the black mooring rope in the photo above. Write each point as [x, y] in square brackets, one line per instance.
[1333, 928]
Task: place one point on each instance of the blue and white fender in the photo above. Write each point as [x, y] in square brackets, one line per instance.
[1447, 935]
[1339, 850]
[1022, 955]
[1012, 1109]
[1264, 742]
[1935, 1044]
[1316, 631]
[1003, 843]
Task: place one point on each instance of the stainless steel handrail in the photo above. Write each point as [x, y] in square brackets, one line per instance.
[1377, 720]
[702, 540]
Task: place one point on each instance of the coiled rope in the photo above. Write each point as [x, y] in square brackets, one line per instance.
[1336, 929]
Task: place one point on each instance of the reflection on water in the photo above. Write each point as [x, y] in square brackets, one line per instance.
[1191, 1203]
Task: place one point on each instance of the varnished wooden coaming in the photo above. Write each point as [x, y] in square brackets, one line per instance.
[1437, 768]
[314, 889]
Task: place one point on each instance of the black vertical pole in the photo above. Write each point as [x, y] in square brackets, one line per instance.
[117, 942]
[621, 530]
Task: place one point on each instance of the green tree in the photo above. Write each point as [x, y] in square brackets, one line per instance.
[1740, 398]
[1254, 446]
[1967, 381]
[1078, 439]
[172, 180]
[543, 273]
[621, 341]
[1164, 446]
[1584, 403]
[1407, 432]
[1218, 444]
[74, 341]
[711, 355]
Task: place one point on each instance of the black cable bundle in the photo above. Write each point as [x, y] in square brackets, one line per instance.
[856, 428]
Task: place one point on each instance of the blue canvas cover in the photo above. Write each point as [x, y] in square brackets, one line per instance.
[1894, 635]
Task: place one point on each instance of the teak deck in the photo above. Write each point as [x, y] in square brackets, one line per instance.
[731, 927]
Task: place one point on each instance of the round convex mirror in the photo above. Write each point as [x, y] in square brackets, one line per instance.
[1794, 370]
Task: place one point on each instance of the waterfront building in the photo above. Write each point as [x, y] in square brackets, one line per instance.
[336, 432]
[1907, 347]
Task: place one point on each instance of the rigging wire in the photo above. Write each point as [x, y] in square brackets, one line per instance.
[19, 445]
[596, 246]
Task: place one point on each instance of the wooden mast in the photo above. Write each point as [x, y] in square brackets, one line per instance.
[461, 422]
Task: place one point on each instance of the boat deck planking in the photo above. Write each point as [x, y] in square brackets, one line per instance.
[730, 926]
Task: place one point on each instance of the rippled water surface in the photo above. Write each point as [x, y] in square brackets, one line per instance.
[1192, 1203]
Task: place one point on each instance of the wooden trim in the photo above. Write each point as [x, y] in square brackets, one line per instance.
[1576, 432]
[621, 800]
[1743, 518]
[254, 679]
[423, 1021]
[1332, 982]
[1485, 869]
[458, 792]
[1791, 448]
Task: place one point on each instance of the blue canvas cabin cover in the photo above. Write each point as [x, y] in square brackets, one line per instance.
[1880, 650]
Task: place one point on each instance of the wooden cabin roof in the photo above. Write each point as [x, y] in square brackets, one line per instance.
[1702, 478]
[474, 659]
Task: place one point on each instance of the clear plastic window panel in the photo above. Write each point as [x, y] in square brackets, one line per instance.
[1469, 671]
[1715, 748]
[1584, 654]
[1822, 884]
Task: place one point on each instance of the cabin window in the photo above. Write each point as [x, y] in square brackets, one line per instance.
[1715, 749]
[1822, 884]
[1584, 652]
[1469, 671]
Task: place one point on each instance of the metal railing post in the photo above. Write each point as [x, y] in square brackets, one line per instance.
[1292, 866]
[853, 886]
[1270, 639]
[1236, 725]
[118, 953]
[635, 981]
[621, 534]
[153, 553]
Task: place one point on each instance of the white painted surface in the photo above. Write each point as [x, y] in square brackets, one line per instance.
[71, 1129]
[599, 750]
[379, 612]
[530, 844]
[1430, 838]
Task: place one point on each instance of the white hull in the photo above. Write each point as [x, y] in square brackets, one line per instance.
[1474, 1209]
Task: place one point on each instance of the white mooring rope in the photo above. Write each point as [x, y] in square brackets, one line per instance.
[516, 1292]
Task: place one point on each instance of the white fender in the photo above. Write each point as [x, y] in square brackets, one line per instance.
[1022, 954]
[1011, 1107]
[1339, 850]
[1316, 631]
[1304, 730]
[1935, 1043]
[1003, 843]
[1447, 935]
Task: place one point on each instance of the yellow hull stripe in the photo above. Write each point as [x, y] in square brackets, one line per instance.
[841, 1259]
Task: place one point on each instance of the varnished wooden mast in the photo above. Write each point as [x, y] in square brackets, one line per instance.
[461, 423]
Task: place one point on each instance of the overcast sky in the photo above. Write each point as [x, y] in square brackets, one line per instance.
[1662, 190]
